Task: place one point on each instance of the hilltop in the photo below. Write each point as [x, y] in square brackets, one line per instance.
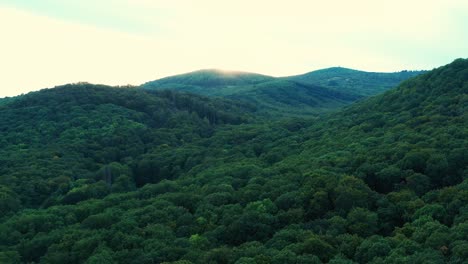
[207, 81]
[271, 96]
[355, 81]
[304, 95]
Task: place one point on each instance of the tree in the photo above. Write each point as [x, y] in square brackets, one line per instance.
[10, 257]
[437, 168]
[371, 248]
[316, 246]
[415, 161]
[352, 192]
[387, 178]
[9, 200]
[103, 255]
[362, 222]
[436, 211]
[419, 183]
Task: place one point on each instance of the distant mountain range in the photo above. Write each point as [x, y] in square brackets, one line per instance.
[311, 93]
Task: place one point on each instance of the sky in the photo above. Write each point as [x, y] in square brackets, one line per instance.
[44, 43]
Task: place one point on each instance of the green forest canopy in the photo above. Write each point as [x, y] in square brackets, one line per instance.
[354, 81]
[295, 96]
[94, 174]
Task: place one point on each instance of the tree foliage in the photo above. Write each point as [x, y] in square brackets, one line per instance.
[94, 174]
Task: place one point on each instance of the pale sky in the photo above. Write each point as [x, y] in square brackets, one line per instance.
[44, 43]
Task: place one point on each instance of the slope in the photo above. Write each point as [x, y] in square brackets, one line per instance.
[207, 82]
[272, 96]
[382, 181]
[53, 138]
[6, 100]
[288, 98]
[354, 81]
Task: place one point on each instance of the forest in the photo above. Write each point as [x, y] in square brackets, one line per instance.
[99, 174]
[305, 95]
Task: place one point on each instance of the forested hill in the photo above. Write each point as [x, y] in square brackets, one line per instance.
[272, 96]
[6, 100]
[208, 81]
[420, 127]
[296, 96]
[381, 181]
[281, 98]
[50, 138]
[354, 81]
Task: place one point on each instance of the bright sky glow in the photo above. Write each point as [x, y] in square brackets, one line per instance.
[117, 42]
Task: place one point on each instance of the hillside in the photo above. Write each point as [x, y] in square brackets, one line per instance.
[354, 81]
[52, 138]
[289, 98]
[272, 96]
[382, 181]
[207, 82]
[6, 100]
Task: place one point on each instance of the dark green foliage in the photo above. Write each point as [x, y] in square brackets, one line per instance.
[273, 96]
[362, 222]
[7, 100]
[289, 98]
[93, 174]
[208, 80]
[358, 82]
[52, 138]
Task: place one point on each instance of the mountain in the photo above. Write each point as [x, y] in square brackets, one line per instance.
[408, 127]
[208, 82]
[6, 100]
[301, 95]
[354, 81]
[289, 98]
[272, 96]
[384, 180]
[50, 138]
